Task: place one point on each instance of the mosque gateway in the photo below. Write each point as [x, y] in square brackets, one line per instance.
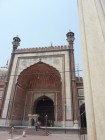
[40, 82]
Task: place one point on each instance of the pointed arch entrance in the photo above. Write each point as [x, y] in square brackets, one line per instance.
[33, 82]
[40, 76]
[44, 106]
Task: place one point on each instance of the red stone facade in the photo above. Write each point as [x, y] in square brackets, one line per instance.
[18, 103]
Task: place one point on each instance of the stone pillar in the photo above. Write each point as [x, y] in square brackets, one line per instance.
[92, 27]
[29, 121]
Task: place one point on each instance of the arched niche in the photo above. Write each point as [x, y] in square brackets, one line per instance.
[40, 77]
[44, 106]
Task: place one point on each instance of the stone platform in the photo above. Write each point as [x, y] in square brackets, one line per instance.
[4, 135]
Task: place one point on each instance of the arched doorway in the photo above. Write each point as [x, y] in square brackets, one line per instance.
[44, 106]
[83, 116]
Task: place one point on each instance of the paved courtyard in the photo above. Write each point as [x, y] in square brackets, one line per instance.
[7, 136]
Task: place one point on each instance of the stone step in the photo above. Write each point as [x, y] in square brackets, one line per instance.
[31, 131]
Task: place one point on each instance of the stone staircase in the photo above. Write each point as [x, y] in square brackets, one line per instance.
[31, 131]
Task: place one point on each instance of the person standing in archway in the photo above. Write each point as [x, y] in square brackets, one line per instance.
[36, 125]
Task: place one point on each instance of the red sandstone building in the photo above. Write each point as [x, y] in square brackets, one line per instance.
[41, 81]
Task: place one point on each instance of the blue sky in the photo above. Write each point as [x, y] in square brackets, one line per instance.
[37, 23]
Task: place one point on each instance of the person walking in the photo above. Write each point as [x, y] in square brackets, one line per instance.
[36, 125]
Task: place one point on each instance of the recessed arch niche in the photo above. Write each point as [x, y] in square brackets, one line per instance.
[36, 78]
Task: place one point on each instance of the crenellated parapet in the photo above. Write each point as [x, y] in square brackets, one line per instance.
[39, 49]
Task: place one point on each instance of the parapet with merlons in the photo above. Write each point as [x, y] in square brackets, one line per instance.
[42, 49]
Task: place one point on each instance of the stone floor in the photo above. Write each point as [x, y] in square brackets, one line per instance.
[4, 135]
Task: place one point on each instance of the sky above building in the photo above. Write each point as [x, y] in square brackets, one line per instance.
[37, 23]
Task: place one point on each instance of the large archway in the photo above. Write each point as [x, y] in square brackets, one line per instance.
[40, 76]
[44, 106]
[34, 81]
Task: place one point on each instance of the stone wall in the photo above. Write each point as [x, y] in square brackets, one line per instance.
[18, 104]
[92, 25]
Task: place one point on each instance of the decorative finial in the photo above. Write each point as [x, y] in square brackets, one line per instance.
[51, 44]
